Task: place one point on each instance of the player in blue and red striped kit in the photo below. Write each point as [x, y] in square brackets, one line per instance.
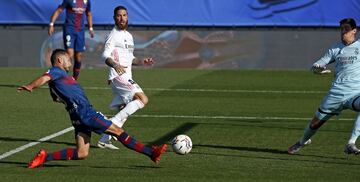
[74, 29]
[85, 119]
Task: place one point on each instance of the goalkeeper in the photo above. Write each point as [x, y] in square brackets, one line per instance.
[345, 90]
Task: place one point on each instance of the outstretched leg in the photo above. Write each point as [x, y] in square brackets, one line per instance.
[310, 130]
[80, 152]
[130, 142]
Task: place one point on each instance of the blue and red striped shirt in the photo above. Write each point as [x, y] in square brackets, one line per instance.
[64, 87]
[76, 13]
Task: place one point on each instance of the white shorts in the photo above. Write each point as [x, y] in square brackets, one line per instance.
[124, 89]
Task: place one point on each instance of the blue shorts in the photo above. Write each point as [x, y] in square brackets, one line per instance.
[88, 122]
[74, 40]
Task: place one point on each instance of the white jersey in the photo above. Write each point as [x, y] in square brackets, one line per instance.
[119, 46]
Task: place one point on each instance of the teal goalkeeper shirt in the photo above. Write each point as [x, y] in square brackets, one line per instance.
[347, 66]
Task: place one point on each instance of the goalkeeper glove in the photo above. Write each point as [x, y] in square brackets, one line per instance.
[318, 69]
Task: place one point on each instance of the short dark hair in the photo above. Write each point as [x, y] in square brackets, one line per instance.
[119, 8]
[348, 21]
[55, 54]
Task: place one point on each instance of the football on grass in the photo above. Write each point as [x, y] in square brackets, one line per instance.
[181, 144]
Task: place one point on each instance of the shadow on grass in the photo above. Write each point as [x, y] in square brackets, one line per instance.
[136, 167]
[285, 156]
[249, 149]
[25, 165]
[12, 139]
[9, 86]
[169, 136]
[282, 127]
[57, 165]
[19, 164]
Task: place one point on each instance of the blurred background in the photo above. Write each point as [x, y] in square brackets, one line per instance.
[201, 34]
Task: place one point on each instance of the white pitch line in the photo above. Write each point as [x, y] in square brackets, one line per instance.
[21, 148]
[239, 91]
[224, 91]
[227, 117]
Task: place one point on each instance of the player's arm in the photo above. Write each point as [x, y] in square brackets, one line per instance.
[108, 49]
[145, 61]
[34, 84]
[53, 18]
[118, 68]
[319, 67]
[90, 23]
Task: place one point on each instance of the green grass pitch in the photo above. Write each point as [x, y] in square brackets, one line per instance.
[241, 124]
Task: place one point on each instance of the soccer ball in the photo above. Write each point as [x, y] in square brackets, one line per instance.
[181, 144]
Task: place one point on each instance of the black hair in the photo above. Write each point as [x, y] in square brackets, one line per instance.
[348, 21]
[55, 54]
[119, 8]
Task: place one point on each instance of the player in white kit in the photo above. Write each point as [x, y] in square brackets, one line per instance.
[345, 90]
[118, 55]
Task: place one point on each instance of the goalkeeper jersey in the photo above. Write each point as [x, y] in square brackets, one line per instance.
[347, 64]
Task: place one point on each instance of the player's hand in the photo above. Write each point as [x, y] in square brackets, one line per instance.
[318, 69]
[119, 69]
[148, 61]
[24, 87]
[92, 33]
[50, 30]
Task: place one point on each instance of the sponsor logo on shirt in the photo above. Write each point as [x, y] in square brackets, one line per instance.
[347, 59]
[129, 46]
[79, 10]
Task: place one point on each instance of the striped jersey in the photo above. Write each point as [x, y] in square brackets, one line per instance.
[64, 87]
[76, 13]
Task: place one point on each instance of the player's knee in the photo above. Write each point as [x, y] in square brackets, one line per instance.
[82, 154]
[115, 130]
[316, 125]
[78, 57]
[144, 100]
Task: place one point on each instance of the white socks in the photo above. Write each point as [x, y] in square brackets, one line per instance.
[130, 108]
[356, 131]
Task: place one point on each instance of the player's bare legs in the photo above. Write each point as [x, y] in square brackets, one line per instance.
[142, 97]
[71, 52]
[83, 145]
[81, 152]
[76, 56]
[77, 64]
